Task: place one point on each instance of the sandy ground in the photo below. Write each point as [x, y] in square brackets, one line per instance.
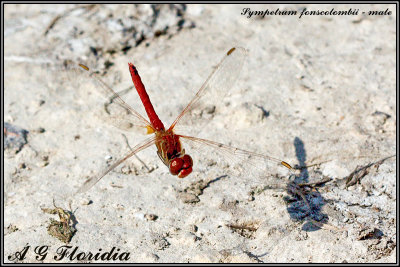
[316, 91]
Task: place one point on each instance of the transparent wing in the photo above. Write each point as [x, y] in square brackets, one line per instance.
[93, 180]
[119, 113]
[214, 89]
[238, 162]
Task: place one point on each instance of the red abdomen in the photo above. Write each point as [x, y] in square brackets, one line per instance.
[151, 113]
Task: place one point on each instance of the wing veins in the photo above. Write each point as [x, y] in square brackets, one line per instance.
[92, 181]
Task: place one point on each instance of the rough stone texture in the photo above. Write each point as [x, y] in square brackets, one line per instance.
[316, 90]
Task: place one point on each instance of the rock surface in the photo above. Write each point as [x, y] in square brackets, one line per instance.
[316, 91]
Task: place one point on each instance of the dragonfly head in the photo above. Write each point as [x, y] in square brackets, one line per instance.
[181, 166]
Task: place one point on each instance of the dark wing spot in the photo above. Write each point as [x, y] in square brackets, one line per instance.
[230, 51]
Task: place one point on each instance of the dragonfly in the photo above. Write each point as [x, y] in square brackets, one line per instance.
[167, 141]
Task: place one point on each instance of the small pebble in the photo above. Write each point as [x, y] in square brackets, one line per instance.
[86, 202]
[193, 228]
[188, 198]
[43, 164]
[151, 217]
[14, 137]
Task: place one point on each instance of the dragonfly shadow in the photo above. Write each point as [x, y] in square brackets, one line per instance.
[73, 218]
[216, 179]
[304, 201]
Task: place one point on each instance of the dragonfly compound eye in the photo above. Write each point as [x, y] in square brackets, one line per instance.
[181, 166]
[175, 166]
[185, 172]
[187, 162]
[186, 167]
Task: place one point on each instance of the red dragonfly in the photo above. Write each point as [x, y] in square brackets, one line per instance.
[168, 143]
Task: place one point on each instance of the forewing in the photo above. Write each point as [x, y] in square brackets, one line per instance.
[115, 111]
[200, 109]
